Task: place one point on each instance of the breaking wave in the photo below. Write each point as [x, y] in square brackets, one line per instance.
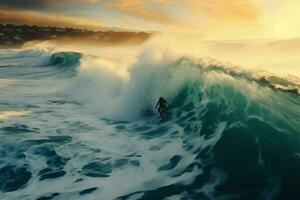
[228, 134]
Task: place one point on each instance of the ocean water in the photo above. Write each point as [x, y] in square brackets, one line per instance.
[74, 126]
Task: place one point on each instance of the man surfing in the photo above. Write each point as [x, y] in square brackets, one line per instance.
[162, 105]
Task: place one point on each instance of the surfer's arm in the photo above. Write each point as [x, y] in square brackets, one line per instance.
[156, 104]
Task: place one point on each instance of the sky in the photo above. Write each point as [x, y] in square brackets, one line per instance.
[207, 19]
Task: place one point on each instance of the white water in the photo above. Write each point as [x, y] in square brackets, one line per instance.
[73, 124]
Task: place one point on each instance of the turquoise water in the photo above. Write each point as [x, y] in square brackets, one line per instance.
[74, 132]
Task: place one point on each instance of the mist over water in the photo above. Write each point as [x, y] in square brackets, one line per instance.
[79, 123]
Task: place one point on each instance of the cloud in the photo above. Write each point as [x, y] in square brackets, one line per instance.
[239, 10]
[195, 14]
[27, 4]
[39, 4]
[145, 10]
[208, 18]
[91, 1]
[30, 17]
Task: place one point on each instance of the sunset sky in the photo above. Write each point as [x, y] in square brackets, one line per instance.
[210, 19]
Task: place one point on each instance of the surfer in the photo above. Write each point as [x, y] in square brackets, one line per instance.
[162, 106]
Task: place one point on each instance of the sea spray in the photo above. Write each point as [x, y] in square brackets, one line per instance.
[88, 129]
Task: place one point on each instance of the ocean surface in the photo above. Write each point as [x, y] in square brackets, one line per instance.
[74, 126]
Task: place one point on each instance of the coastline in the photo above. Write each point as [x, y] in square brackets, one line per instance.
[15, 36]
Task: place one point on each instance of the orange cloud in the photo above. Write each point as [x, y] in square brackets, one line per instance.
[242, 10]
[91, 1]
[208, 11]
[30, 17]
[143, 9]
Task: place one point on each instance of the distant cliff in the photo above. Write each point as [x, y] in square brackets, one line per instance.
[17, 35]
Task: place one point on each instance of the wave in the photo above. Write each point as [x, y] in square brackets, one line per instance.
[45, 57]
[233, 121]
[67, 59]
[248, 132]
[130, 92]
[284, 83]
[233, 133]
[29, 57]
[38, 63]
